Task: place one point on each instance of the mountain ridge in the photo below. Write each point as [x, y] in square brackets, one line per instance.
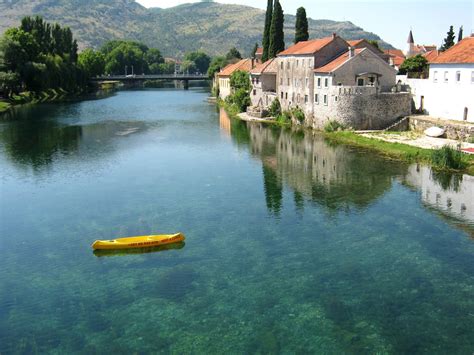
[208, 26]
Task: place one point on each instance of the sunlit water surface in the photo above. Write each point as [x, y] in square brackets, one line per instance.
[293, 245]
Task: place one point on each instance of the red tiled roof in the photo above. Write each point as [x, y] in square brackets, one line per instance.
[462, 52]
[307, 47]
[244, 65]
[431, 55]
[397, 61]
[269, 67]
[394, 52]
[355, 42]
[336, 63]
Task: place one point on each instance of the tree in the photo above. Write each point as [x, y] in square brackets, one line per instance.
[277, 40]
[153, 56]
[416, 64]
[92, 62]
[460, 33]
[449, 40]
[200, 59]
[233, 54]
[240, 84]
[188, 66]
[126, 56]
[301, 29]
[266, 32]
[216, 65]
[10, 83]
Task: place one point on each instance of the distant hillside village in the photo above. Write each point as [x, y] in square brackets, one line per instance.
[355, 84]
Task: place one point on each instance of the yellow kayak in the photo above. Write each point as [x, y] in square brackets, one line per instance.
[138, 242]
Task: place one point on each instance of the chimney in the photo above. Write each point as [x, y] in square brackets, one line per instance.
[253, 62]
[334, 35]
[351, 51]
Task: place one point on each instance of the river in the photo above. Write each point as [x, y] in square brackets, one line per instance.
[294, 245]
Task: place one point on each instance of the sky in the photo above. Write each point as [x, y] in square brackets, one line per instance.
[390, 19]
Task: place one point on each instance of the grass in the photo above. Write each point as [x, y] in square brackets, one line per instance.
[29, 97]
[441, 159]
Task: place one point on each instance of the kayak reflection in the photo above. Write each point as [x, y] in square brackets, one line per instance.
[123, 252]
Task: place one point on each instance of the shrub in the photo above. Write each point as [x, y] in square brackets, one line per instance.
[275, 108]
[448, 158]
[241, 99]
[298, 114]
[332, 126]
[284, 117]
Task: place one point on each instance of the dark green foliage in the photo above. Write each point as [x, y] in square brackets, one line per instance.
[284, 118]
[266, 32]
[240, 80]
[277, 40]
[200, 59]
[460, 34]
[188, 66]
[240, 84]
[92, 62]
[10, 83]
[216, 65]
[416, 64]
[41, 56]
[275, 108]
[374, 42]
[233, 54]
[298, 114]
[241, 99]
[448, 158]
[333, 126]
[449, 40]
[301, 29]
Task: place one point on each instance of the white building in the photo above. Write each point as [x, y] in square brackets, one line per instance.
[448, 93]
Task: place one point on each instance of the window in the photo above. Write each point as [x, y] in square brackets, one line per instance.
[360, 82]
[319, 82]
[325, 99]
[257, 81]
[297, 62]
[326, 82]
[305, 99]
[446, 78]
[335, 98]
[316, 98]
[298, 98]
[458, 76]
[286, 96]
[288, 81]
[254, 92]
[281, 65]
[281, 81]
[435, 76]
[282, 95]
[293, 97]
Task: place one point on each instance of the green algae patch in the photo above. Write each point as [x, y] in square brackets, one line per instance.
[4, 106]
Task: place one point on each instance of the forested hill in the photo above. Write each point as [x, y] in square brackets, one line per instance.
[209, 26]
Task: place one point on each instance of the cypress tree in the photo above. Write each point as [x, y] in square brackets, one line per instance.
[254, 50]
[449, 40]
[266, 32]
[277, 40]
[460, 34]
[301, 30]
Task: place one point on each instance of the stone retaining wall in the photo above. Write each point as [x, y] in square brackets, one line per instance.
[454, 130]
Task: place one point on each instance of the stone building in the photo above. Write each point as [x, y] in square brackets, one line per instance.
[263, 78]
[327, 78]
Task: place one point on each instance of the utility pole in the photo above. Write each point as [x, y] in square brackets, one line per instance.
[125, 70]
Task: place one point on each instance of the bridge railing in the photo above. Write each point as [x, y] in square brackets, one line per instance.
[153, 77]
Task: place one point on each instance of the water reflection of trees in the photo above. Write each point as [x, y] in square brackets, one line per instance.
[334, 177]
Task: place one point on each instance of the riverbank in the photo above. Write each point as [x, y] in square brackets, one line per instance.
[390, 149]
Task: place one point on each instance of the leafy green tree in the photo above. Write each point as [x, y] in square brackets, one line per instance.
[188, 66]
[200, 59]
[153, 56]
[167, 68]
[416, 64]
[449, 40]
[301, 30]
[460, 34]
[241, 99]
[233, 54]
[277, 40]
[10, 83]
[240, 84]
[127, 56]
[216, 65]
[92, 62]
[266, 32]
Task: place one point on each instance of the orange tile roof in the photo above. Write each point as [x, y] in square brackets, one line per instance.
[397, 60]
[431, 55]
[269, 67]
[243, 64]
[462, 52]
[307, 47]
[336, 63]
[355, 42]
[394, 52]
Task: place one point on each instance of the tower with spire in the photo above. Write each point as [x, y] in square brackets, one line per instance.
[411, 45]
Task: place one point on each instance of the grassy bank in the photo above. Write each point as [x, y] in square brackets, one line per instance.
[399, 151]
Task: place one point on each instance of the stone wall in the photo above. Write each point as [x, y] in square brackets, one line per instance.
[361, 108]
[454, 130]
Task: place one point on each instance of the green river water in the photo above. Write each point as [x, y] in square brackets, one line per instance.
[293, 245]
